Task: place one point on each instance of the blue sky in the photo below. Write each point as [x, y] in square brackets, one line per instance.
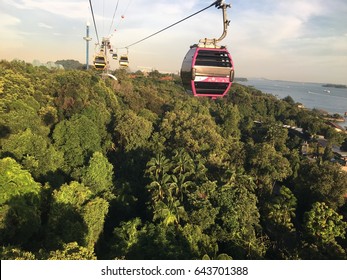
[299, 40]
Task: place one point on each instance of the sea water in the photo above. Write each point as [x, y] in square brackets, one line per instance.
[311, 95]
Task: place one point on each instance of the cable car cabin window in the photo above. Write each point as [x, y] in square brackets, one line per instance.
[101, 67]
[213, 58]
[100, 61]
[211, 88]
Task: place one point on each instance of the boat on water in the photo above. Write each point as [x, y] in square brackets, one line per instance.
[327, 91]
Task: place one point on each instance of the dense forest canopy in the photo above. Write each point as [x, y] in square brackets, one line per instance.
[91, 168]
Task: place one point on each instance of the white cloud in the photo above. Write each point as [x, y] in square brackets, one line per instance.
[279, 39]
[70, 9]
[8, 24]
[44, 25]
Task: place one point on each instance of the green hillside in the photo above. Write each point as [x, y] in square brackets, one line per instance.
[95, 169]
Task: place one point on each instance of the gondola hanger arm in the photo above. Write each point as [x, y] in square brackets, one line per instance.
[213, 42]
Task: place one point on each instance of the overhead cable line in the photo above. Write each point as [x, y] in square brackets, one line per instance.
[216, 3]
[96, 30]
[123, 15]
[114, 14]
[103, 16]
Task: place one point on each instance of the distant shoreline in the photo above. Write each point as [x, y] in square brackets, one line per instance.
[332, 103]
[334, 86]
[240, 79]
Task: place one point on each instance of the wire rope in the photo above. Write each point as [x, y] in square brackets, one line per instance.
[96, 30]
[103, 16]
[122, 16]
[216, 3]
[114, 15]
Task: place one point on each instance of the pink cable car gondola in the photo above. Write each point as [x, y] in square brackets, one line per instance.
[207, 69]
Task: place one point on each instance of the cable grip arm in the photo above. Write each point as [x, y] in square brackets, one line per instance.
[213, 42]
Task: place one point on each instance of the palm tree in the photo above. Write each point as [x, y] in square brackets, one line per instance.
[157, 167]
[183, 163]
[170, 213]
[179, 185]
[160, 188]
[199, 169]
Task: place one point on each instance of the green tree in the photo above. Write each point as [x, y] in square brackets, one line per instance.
[94, 213]
[78, 139]
[14, 253]
[34, 153]
[277, 136]
[132, 131]
[324, 228]
[72, 251]
[281, 210]
[171, 241]
[278, 220]
[320, 182]
[200, 243]
[200, 207]
[230, 119]
[72, 91]
[157, 167]
[160, 189]
[195, 131]
[328, 152]
[324, 224]
[170, 212]
[16, 84]
[126, 236]
[75, 216]
[98, 112]
[17, 115]
[289, 100]
[98, 176]
[237, 223]
[183, 164]
[268, 165]
[20, 199]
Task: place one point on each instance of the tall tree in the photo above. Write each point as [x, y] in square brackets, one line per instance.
[324, 224]
[278, 221]
[34, 152]
[324, 228]
[20, 201]
[75, 216]
[98, 176]
[132, 131]
[78, 139]
[268, 165]
[237, 223]
[320, 182]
